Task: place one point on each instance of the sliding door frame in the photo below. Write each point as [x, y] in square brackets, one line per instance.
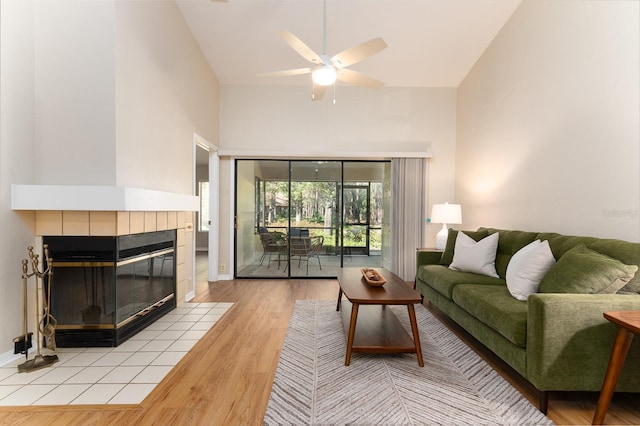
[339, 209]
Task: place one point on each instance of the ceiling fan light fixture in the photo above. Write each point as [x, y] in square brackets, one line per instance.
[325, 75]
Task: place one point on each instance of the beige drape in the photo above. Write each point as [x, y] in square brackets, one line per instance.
[407, 199]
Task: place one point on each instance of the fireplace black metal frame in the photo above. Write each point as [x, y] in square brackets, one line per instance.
[106, 256]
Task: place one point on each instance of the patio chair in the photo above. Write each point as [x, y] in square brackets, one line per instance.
[273, 243]
[304, 248]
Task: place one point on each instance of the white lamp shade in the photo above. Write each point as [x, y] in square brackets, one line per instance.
[446, 213]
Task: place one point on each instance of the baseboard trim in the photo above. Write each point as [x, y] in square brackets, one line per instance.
[225, 277]
[9, 357]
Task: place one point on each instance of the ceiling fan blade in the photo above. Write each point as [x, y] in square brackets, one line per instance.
[318, 92]
[286, 73]
[358, 53]
[302, 49]
[358, 79]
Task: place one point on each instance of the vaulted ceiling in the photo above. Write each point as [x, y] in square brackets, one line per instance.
[432, 43]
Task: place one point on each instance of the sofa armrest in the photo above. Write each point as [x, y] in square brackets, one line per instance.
[569, 341]
[428, 257]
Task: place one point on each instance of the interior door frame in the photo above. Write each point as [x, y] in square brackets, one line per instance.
[214, 202]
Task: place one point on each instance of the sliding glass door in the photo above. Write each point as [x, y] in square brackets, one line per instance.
[309, 218]
[366, 212]
[261, 218]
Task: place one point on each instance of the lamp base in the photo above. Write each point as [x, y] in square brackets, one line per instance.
[441, 238]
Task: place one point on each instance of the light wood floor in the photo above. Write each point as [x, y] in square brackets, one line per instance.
[226, 378]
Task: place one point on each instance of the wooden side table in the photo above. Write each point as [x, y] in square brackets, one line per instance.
[629, 322]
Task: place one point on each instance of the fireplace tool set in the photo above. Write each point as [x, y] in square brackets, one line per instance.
[47, 324]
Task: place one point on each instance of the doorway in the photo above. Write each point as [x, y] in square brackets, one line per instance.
[307, 218]
[205, 186]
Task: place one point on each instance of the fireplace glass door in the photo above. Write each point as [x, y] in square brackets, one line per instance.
[142, 282]
[88, 298]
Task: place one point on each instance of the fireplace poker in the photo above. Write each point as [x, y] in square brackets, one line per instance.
[48, 322]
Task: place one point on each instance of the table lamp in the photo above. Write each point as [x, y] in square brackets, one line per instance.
[445, 213]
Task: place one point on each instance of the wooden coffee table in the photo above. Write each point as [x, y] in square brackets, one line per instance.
[370, 326]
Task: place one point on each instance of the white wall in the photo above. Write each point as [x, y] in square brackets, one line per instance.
[75, 92]
[17, 150]
[283, 120]
[548, 122]
[166, 92]
[121, 88]
[362, 120]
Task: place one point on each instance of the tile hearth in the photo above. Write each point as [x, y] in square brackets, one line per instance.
[122, 375]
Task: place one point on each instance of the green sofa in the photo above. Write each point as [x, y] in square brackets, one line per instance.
[556, 341]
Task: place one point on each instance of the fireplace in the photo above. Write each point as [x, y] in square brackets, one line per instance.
[106, 289]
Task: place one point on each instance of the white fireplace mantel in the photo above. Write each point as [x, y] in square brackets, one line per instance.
[98, 198]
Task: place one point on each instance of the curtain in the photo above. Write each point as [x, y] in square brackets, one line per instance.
[407, 199]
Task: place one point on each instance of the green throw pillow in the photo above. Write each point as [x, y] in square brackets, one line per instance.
[447, 255]
[582, 270]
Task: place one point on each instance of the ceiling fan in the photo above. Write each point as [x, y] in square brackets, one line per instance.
[326, 70]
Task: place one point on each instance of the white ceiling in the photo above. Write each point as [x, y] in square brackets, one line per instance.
[432, 43]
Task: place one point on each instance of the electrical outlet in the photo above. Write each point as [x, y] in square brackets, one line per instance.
[222, 267]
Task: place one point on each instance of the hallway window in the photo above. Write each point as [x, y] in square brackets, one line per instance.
[203, 222]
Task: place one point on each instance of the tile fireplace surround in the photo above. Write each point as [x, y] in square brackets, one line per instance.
[86, 210]
[119, 223]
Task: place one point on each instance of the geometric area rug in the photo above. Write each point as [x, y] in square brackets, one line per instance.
[312, 386]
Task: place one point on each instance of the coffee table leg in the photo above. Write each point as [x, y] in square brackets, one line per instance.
[416, 335]
[352, 332]
[339, 299]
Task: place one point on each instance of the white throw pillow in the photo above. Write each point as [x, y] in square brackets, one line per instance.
[527, 268]
[478, 257]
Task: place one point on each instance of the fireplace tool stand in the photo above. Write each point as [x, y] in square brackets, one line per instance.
[46, 325]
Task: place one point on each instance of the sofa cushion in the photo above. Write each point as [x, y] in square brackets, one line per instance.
[443, 279]
[447, 255]
[527, 268]
[625, 251]
[494, 306]
[508, 245]
[475, 256]
[582, 270]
